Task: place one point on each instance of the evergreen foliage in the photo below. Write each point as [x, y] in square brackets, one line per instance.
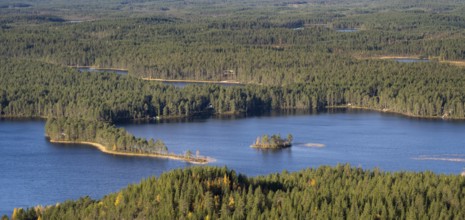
[114, 139]
[255, 43]
[289, 54]
[341, 192]
[34, 89]
[272, 142]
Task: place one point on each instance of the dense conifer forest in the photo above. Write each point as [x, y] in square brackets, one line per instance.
[290, 55]
[36, 89]
[76, 130]
[113, 140]
[342, 192]
[292, 49]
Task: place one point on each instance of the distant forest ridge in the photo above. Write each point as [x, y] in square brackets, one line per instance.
[264, 42]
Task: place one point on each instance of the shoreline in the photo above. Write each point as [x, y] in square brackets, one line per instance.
[459, 63]
[454, 62]
[98, 68]
[392, 112]
[397, 57]
[386, 57]
[103, 149]
[9, 117]
[192, 81]
[342, 106]
[269, 146]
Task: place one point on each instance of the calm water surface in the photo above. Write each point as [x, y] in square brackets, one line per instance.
[37, 172]
[34, 171]
[366, 139]
[348, 30]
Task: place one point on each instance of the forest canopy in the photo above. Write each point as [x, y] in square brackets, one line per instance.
[341, 192]
[290, 55]
[36, 89]
[293, 54]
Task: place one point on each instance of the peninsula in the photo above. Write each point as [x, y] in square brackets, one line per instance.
[187, 158]
[111, 140]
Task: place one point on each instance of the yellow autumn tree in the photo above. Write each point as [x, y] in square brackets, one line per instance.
[14, 216]
[231, 202]
[119, 198]
[226, 180]
[17, 212]
[312, 182]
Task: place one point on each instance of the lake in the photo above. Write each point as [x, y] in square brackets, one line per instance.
[347, 30]
[34, 171]
[37, 172]
[98, 70]
[361, 138]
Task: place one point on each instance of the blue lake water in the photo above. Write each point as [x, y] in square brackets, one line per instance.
[348, 30]
[34, 171]
[37, 172]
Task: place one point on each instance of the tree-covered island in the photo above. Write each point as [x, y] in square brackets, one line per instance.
[272, 142]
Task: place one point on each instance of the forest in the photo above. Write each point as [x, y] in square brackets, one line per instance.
[36, 89]
[341, 192]
[278, 44]
[289, 55]
[114, 140]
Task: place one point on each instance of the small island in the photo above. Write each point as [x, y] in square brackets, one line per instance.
[273, 142]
